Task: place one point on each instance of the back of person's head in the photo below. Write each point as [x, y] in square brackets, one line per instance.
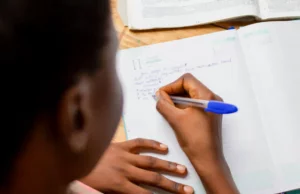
[57, 62]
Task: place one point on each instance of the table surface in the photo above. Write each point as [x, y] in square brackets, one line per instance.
[131, 39]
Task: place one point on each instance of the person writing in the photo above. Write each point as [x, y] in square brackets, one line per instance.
[199, 134]
[63, 102]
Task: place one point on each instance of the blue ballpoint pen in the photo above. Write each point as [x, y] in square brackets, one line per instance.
[216, 107]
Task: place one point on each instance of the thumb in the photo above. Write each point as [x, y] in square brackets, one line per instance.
[165, 106]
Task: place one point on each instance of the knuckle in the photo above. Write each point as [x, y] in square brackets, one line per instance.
[154, 144]
[172, 166]
[156, 178]
[119, 169]
[118, 182]
[158, 106]
[210, 96]
[139, 141]
[188, 75]
[194, 92]
[177, 187]
[219, 98]
[151, 161]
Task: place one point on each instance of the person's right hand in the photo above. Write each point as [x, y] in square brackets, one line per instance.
[198, 132]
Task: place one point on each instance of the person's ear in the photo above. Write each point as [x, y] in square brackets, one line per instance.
[79, 136]
[73, 115]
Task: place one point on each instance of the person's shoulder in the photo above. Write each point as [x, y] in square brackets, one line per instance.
[77, 187]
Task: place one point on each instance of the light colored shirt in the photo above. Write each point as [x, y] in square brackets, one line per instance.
[79, 188]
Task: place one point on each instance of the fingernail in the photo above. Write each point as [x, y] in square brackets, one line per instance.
[188, 189]
[181, 168]
[163, 146]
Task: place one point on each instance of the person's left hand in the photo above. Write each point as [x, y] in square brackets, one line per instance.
[122, 169]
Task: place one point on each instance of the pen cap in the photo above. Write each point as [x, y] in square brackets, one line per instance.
[218, 107]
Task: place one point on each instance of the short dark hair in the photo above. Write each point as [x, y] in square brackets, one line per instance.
[44, 45]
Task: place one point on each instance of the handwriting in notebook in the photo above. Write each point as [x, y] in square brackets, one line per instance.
[147, 79]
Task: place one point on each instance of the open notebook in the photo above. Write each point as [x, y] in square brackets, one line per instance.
[149, 14]
[256, 68]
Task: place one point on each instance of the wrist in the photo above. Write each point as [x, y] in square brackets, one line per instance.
[215, 176]
[207, 160]
[213, 165]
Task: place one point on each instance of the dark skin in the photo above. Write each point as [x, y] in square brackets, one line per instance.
[128, 168]
[60, 149]
[199, 134]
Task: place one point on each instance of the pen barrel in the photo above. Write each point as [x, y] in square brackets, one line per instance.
[200, 105]
[216, 107]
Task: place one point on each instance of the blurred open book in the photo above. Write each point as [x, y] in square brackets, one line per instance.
[149, 14]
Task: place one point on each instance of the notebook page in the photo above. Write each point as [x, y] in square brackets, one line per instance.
[216, 60]
[280, 9]
[272, 55]
[147, 14]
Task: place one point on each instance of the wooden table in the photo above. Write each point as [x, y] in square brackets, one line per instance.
[130, 39]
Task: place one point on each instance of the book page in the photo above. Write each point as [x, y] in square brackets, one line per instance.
[272, 54]
[147, 14]
[273, 9]
[217, 61]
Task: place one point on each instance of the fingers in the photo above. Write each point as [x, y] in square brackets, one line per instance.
[157, 180]
[190, 85]
[166, 107]
[149, 162]
[140, 144]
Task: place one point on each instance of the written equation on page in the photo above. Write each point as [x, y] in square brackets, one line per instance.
[148, 78]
